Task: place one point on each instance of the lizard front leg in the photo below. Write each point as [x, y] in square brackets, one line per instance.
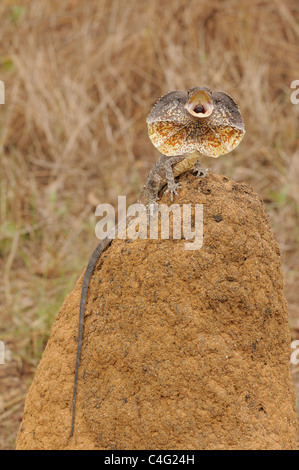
[157, 178]
[172, 186]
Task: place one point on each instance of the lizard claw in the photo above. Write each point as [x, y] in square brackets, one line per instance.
[172, 189]
[200, 172]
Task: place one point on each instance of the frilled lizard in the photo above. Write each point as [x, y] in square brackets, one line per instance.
[182, 125]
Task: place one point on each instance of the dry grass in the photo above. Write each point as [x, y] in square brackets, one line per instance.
[80, 79]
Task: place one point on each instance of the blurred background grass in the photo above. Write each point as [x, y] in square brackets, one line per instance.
[80, 78]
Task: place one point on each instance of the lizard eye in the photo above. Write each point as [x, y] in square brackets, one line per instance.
[200, 104]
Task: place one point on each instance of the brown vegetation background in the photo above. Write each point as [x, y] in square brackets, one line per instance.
[80, 78]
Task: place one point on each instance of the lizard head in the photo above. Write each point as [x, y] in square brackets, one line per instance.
[199, 104]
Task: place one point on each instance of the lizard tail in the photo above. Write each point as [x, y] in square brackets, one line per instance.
[88, 273]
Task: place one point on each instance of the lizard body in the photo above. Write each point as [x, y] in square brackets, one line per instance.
[182, 125]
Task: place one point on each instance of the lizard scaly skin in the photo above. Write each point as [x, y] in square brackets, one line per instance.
[183, 125]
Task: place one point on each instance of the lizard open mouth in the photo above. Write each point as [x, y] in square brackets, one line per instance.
[200, 104]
